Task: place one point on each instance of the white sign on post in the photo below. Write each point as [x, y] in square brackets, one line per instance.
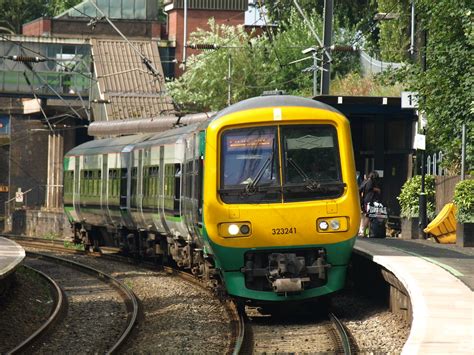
[409, 99]
[419, 142]
[19, 196]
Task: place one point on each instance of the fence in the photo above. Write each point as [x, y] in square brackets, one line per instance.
[433, 164]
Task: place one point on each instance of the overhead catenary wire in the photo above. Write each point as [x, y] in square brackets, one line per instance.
[37, 100]
[41, 56]
[145, 60]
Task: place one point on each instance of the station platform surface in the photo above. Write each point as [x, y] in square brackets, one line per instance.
[439, 279]
[11, 256]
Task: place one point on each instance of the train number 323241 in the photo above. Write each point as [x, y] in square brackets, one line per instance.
[281, 231]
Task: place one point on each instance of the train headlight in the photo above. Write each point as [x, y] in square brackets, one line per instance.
[244, 229]
[323, 225]
[235, 229]
[332, 225]
[335, 224]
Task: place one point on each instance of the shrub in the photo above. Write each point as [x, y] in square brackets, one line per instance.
[464, 201]
[409, 197]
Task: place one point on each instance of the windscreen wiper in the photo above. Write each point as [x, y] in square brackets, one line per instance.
[300, 171]
[251, 187]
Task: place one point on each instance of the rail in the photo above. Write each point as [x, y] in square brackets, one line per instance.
[343, 334]
[59, 308]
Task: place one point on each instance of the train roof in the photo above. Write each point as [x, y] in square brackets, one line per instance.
[117, 144]
[272, 101]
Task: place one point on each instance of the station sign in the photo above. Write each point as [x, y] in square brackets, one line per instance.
[19, 196]
[4, 125]
[409, 99]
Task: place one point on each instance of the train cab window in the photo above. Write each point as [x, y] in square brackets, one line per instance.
[249, 165]
[311, 167]
[251, 159]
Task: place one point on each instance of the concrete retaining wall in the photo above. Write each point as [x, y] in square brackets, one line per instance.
[39, 223]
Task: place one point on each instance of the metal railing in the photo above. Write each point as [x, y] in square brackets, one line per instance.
[433, 164]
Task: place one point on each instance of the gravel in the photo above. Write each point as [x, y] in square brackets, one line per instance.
[95, 316]
[179, 317]
[374, 328]
[24, 308]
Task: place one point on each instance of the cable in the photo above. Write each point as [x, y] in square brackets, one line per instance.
[19, 44]
[269, 34]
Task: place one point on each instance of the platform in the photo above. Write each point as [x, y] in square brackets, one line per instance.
[439, 279]
[11, 256]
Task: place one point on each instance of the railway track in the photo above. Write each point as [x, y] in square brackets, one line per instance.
[109, 255]
[115, 310]
[293, 330]
[57, 310]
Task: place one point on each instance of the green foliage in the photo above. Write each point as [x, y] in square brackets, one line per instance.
[74, 246]
[258, 63]
[446, 86]
[355, 85]
[203, 86]
[464, 201]
[410, 195]
[14, 13]
[349, 13]
[55, 7]
[394, 35]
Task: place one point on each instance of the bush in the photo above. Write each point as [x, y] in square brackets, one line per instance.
[409, 197]
[464, 201]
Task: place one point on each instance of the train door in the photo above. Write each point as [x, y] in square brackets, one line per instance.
[198, 182]
[139, 192]
[188, 185]
[192, 185]
[77, 192]
[125, 186]
[104, 200]
[161, 196]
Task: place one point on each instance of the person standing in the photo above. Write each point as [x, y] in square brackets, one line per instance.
[370, 192]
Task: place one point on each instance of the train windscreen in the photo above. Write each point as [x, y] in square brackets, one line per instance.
[251, 159]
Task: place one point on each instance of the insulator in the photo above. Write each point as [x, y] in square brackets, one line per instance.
[203, 46]
[26, 59]
[339, 48]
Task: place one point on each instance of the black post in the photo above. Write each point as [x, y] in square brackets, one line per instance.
[422, 205]
[423, 200]
[327, 39]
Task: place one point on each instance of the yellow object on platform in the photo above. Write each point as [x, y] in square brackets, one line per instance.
[443, 227]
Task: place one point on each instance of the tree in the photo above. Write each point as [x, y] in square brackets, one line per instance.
[14, 13]
[446, 86]
[394, 34]
[55, 7]
[258, 63]
[204, 84]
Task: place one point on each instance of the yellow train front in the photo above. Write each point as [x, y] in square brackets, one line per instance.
[280, 199]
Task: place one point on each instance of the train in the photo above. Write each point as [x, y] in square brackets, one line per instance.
[261, 199]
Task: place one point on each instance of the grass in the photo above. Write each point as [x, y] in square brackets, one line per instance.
[355, 85]
[74, 246]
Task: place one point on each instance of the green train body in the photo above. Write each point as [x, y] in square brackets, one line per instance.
[261, 199]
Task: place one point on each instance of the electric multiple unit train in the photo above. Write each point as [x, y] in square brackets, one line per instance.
[261, 199]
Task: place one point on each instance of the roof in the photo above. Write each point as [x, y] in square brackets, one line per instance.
[272, 101]
[117, 144]
[125, 82]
